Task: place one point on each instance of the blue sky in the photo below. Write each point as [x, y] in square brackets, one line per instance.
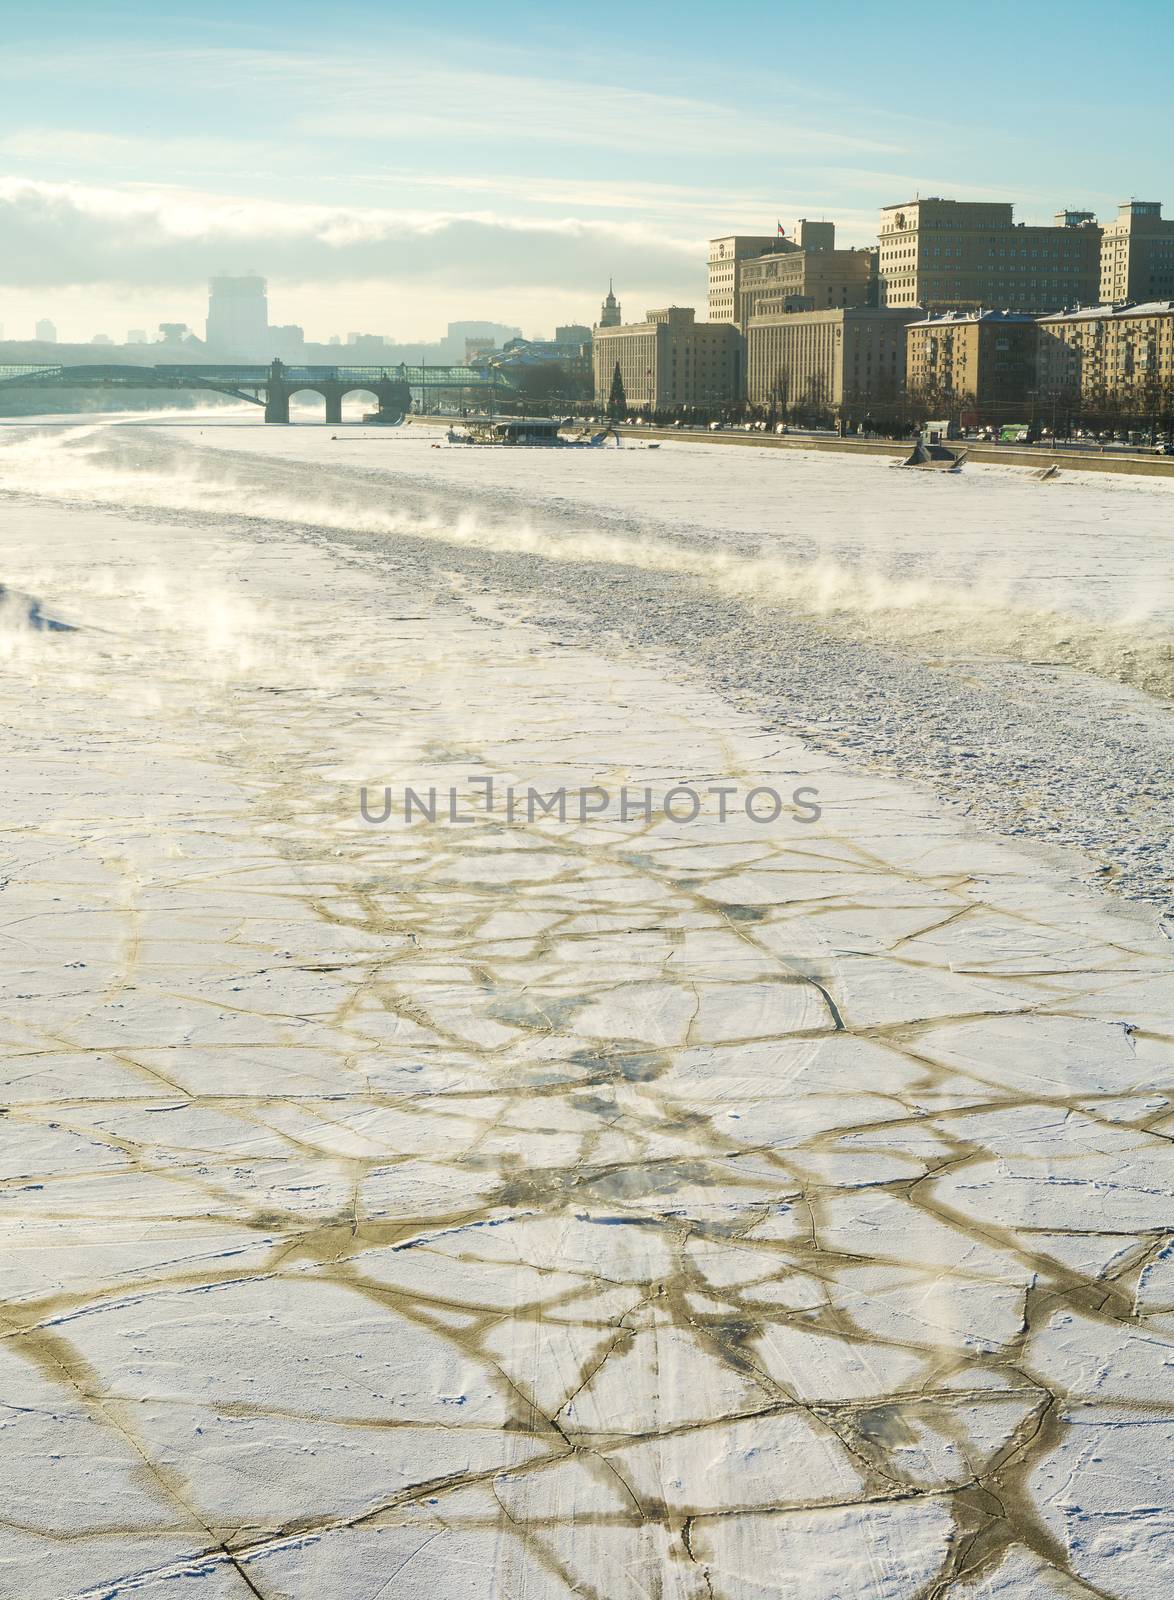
[390, 167]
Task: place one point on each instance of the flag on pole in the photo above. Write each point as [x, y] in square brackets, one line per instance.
[782, 232]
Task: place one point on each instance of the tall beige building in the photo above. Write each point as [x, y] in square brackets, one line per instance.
[827, 361]
[726, 259]
[961, 255]
[1137, 254]
[1109, 356]
[729, 256]
[669, 360]
[806, 280]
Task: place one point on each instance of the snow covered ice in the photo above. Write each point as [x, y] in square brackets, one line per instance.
[708, 1211]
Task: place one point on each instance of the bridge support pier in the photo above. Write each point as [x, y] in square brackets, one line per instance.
[276, 403]
[395, 399]
[277, 394]
[333, 393]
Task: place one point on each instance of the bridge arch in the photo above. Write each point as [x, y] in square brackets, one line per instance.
[363, 397]
[303, 392]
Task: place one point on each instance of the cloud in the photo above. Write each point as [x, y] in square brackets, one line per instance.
[432, 102]
[407, 95]
[58, 234]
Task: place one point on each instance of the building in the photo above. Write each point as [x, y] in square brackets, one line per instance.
[451, 347]
[844, 361]
[535, 352]
[46, 331]
[670, 361]
[728, 257]
[610, 313]
[982, 363]
[961, 255]
[1109, 359]
[572, 333]
[238, 317]
[1137, 254]
[287, 340]
[806, 280]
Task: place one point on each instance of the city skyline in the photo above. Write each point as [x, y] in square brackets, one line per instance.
[382, 188]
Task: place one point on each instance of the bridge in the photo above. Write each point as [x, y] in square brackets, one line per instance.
[273, 386]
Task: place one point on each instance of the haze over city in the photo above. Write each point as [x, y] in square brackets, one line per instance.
[390, 171]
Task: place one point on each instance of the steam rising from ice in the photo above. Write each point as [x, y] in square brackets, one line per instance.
[137, 469]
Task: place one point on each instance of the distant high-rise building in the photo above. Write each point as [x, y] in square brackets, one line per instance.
[101, 338]
[46, 331]
[334, 339]
[452, 346]
[366, 347]
[238, 316]
[610, 314]
[1137, 254]
[572, 333]
[173, 332]
[287, 340]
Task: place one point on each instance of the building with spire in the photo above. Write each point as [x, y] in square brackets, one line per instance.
[669, 362]
[609, 313]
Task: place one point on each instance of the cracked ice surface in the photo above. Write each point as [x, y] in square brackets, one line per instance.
[546, 1210]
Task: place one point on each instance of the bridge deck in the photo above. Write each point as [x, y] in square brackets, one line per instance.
[250, 374]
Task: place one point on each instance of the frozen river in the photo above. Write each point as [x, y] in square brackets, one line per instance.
[504, 1204]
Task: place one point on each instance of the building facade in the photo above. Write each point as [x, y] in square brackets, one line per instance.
[1108, 359]
[730, 257]
[959, 255]
[844, 361]
[1137, 254]
[977, 362]
[669, 362]
[806, 280]
[238, 317]
[726, 259]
